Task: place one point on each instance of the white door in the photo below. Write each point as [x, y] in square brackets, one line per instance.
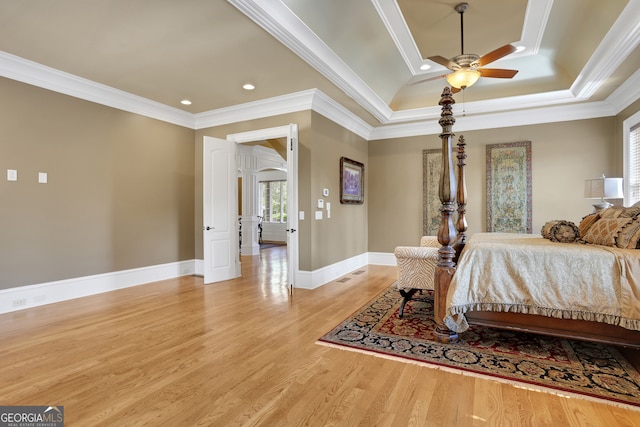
[292, 205]
[220, 217]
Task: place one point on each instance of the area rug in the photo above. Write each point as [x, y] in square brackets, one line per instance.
[566, 367]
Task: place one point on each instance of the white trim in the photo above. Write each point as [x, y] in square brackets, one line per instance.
[620, 42]
[285, 104]
[626, 130]
[382, 258]
[23, 70]
[324, 275]
[62, 290]
[321, 276]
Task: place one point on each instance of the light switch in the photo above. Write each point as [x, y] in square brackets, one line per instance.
[12, 175]
[42, 177]
[301, 215]
[318, 214]
[320, 203]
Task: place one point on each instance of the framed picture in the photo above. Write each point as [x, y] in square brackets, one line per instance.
[351, 181]
[509, 187]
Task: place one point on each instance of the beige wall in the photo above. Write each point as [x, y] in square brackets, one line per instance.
[120, 191]
[564, 154]
[345, 234]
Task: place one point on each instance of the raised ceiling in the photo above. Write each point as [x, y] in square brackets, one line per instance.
[363, 55]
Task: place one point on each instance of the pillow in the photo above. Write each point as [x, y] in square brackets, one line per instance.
[560, 231]
[612, 212]
[629, 235]
[545, 231]
[605, 230]
[630, 212]
[565, 232]
[587, 222]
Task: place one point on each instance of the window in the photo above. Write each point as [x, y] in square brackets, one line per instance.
[273, 201]
[631, 132]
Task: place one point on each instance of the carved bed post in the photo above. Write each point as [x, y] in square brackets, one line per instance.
[447, 232]
[461, 196]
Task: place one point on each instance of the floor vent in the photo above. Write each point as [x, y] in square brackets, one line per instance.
[344, 279]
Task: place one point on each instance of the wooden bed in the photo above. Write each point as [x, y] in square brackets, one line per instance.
[453, 238]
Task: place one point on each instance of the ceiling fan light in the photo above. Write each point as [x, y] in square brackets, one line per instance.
[463, 78]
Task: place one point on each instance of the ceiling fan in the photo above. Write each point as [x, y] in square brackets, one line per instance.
[468, 68]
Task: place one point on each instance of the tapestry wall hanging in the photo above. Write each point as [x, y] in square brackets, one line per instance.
[431, 167]
[509, 187]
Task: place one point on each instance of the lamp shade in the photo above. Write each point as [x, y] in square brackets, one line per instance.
[603, 188]
[463, 78]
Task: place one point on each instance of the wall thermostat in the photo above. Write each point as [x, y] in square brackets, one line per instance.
[325, 192]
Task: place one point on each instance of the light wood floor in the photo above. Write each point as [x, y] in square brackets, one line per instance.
[243, 352]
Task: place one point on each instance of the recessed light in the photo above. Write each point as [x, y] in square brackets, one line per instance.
[185, 102]
[248, 86]
[425, 67]
[520, 48]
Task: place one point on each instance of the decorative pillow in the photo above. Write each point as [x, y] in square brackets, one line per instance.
[587, 222]
[612, 212]
[564, 232]
[605, 230]
[630, 212]
[545, 231]
[629, 235]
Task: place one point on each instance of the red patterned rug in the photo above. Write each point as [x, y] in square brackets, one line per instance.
[559, 365]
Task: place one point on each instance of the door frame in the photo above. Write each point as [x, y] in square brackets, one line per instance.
[290, 132]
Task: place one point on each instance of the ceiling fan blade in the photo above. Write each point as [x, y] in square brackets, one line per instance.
[440, 60]
[427, 80]
[496, 54]
[499, 73]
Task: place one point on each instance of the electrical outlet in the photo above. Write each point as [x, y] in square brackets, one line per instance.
[21, 302]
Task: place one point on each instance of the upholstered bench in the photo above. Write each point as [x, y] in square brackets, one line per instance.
[416, 268]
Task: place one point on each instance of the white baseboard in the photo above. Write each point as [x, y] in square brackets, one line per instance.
[20, 298]
[14, 299]
[316, 278]
[382, 258]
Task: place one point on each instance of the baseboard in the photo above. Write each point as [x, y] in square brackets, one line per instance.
[23, 297]
[382, 258]
[317, 278]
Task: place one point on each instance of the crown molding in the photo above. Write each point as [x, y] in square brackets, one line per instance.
[542, 115]
[285, 104]
[278, 20]
[621, 40]
[35, 74]
[626, 94]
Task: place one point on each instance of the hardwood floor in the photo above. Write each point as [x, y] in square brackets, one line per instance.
[243, 352]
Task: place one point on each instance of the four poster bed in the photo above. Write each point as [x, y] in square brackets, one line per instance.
[525, 282]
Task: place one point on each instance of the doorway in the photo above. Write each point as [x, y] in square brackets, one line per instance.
[290, 134]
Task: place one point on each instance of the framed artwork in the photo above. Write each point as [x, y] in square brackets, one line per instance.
[431, 167]
[351, 181]
[509, 187]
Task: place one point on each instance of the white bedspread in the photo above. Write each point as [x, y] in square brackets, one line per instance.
[526, 273]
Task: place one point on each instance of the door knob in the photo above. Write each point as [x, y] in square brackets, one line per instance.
[208, 228]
